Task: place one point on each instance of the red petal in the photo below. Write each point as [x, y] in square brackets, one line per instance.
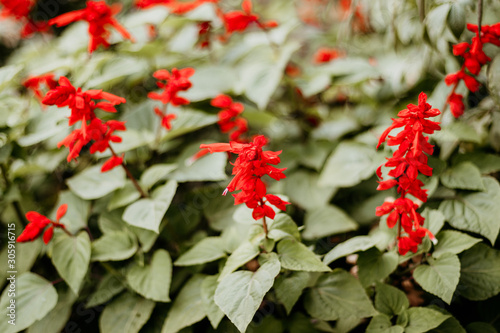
[47, 235]
[61, 211]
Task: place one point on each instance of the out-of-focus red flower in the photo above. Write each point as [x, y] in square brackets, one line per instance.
[32, 27]
[250, 166]
[326, 54]
[292, 70]
[37, 224]
[166, 118]
[175, 82]
[100, 17]
[112, 162]
[474, 59]
[229, 117]
[360, 21]
[204, 32]
[238, 21]
[34, 83]
[16, 9]
[407, 162]
[175, 6]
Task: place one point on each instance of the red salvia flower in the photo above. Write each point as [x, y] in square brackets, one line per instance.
[325, 54]
[16, 9]
[229, 117]
[407, 162]
[100, 17]
[172, 84]
[238, 21]
[34, 83]
[175, 6]
[474, 59]
[250, 166]
[112, 162]
[83, 105]
[37, 224]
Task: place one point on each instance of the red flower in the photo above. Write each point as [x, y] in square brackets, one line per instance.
[325, 54]
[240, 20]
[99, 16]
[250, 166]
[175, 82]
[17, 9]
[407, 162]
[175, 7]
[165, 118]
[474, 59]
[229, 117]
[34, 82]
[37, 224]
[112, 162]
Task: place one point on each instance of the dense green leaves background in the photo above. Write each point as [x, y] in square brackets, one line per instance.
[185, 259]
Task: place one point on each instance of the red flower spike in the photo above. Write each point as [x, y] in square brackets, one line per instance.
[34, 83]
[474, 59]
[407, 161]
[100, 17]
[176, 81]
[252, 163]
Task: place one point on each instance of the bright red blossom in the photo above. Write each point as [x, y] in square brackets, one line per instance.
[325, 54]
[238, 21]
[229, 117]
[83, 105]
[407, 162]
[250, 166]
[99, 16]
[474, 59]
[175, 82]
[37, 224]
[175, 6]
[34, 83]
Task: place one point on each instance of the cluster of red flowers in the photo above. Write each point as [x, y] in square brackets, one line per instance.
[407, 161]
[326, 54]
[99, 16]
[34, 83]
[474, 59]
[238, 21]
[250, 166]
[19, 10]
[175, 82]
[83, 105]
[229, 117]
[37, 224]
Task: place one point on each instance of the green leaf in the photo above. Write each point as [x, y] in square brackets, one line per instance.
[296, 256]
[480, 273]
[8, 73]
[421, 320]
[493, 81]
[188, 307]
[481, 327]
[123, 196]
[155, 173]
[71, 257]
[204, 85]
[243, 254]
[487, 163]
[210, 167]
[450, 325]
[390, 300]
[188, 121]
[434, 220]
[435, 21]
[382, 324]
[349, 164]
[152, 281]
[77, 214]
[108, 287]
[126, 314]
[118, 245]
[214, 313]
[55, 320]
[207, 250]
[451, 241]
[288, 288]
[262, 71]
[148, 213]
[350, 246]
[91, 183]
[338, 295]
[325, 221]
[34, 298]
[282, 227]
[440, 277]
[456, 19]
[463, 176]
[476, 212]
[302, 188]
[374, 266]
[240, 294]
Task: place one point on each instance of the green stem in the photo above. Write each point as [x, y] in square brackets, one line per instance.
[15, 203]
[130, 176]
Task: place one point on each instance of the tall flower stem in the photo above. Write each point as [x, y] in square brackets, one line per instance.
[15, 203]
[130, 176]
[264, 224]
[479, 16]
